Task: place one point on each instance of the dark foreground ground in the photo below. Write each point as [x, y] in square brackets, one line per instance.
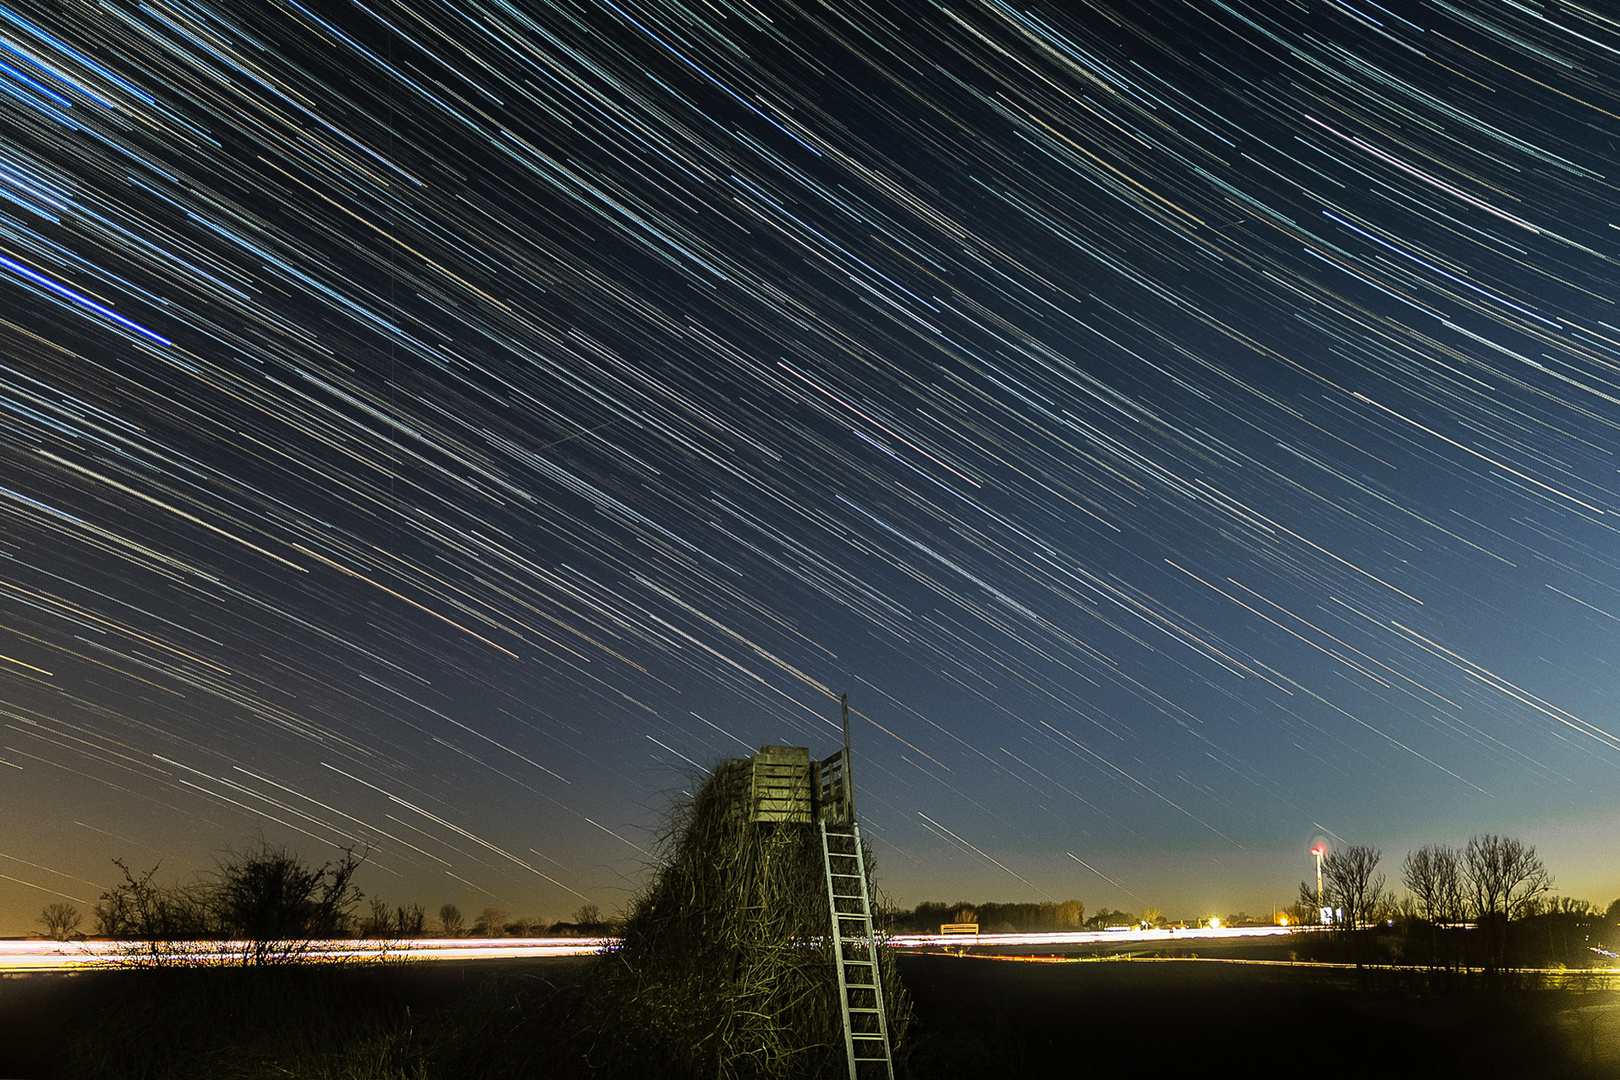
[1177, 1018]
[976, 1018]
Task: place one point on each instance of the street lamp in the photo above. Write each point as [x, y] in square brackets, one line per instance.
[1319, 849]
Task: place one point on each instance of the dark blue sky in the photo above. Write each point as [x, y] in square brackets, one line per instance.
[1182, 429]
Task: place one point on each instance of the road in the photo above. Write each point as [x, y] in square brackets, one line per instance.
[26, 956]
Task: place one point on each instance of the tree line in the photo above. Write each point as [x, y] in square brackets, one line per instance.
[275, 908]
[1015, 918]
[1047, 917]
[1488, 904]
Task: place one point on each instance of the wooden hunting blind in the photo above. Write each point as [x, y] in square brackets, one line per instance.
[782, 785]
[779, 785]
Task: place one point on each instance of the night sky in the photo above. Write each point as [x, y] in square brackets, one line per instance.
[1182, 429]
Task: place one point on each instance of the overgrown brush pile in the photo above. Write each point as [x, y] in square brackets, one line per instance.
[725, 970]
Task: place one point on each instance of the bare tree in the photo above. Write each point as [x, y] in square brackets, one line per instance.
[379, 923]
[61, 921]
[1354, 889]
[490, 923]
[1502, 877]
[1352, 885]
[1572, 906]
[451, 922]
[409, 922]
[588, 915]
[1433, 875]
[1307, 908]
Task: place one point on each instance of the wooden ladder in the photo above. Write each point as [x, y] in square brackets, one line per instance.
[860, 989]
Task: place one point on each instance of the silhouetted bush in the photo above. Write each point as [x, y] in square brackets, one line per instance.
[266, 899]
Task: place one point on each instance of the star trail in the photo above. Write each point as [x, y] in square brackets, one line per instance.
[1181, 428]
